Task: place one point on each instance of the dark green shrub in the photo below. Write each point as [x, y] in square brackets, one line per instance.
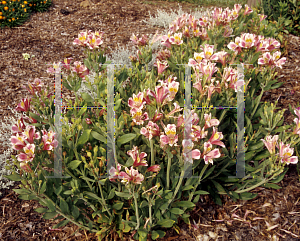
[288, 9]
[15, 12]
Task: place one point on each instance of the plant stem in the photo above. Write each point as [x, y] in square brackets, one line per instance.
[103, 200]
[152, 152]
[168, 172]
[262, 91]
[136, 210]
[176, 190]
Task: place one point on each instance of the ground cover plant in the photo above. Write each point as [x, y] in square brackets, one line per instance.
[15, 12]
[205, 135]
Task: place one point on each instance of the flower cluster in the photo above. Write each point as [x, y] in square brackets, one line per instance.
[89, 39]
[23, 141]
[285, 152]
[297, 121]
[132, 175]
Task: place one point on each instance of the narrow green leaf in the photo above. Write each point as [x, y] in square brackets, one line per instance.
[49, 215]
[84, 137]
[166, 223]
[123, 194]
[74, 164]
[41, 210]
[176, 211]
[126, 138]
[186, 204]
[22, 191]
[87, 97]
[98, 136]
[201, 192]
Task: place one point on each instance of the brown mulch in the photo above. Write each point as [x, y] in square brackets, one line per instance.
[273, 214]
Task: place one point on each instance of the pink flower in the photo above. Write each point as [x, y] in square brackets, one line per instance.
[48, 140]
[166, 41]
[28, 155]
[18, 142]
[247, 40]
[19, 127]
[138, 116]
[137, 100]
[222, 57]
[235, 12]
[163, 55]
[208, 51]
[155, 168]
[25, 167]
[170, 138]
[81, 40]
[24, 105]
[188, 145]
[137, 158]
[270, 143]
[93, 41]
[81, 70]
[157, 116]
[161, 66]
[66, 63]
[208, 69]
[228, 31]
[262, 17]
[235, 46]
[209, 122]
[210, 154]
[131, 176]
[203, 34]
[54, 69]
[297, 121]
[30, 134]
[151, 130]
[203, 21]
[176, 39]
[216, 137]
[268, 59]
[143, 41]
[161, 94]
[248, 10]
[114, 173]
[285, 153]
[35, 87]
[175, 110]
[198, 133]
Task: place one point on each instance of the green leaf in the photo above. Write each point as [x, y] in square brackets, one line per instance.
[264, 154]
[74, 164]
[166, 223]
[118, 205]
[247, 195]
[14, 177]
[75, 212]
[126, 138]
[27, 197]
[87, 97]
[218, 186]
[157, 234]
[92, 195]
[201, 192]
[272, 185]
[35, 116]
[61, 224]
[64, 206]
[82, 111]
[123, 194]
[280, 177]
[43, 188]
[49, 215]
[22, 191]
[111, 193]
[41, 210]
[84, 137]
[142, 234]
[176, 211]
[185, 204]
[98, 136]
[188, 187]
[256, 147]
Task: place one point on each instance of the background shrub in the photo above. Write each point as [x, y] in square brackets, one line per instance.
[288, 9]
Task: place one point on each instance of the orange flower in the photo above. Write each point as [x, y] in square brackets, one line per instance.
[0, 13]
[9, 20]
[13, 19]
[30, 5]
[5, 8]
[0, 17]
[25, 2]
[23, 6]
[3, 2]
[44, 2]
[25, 10]
[13, 10]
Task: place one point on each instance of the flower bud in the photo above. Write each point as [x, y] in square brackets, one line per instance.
[89, 154]
[40, 182]
[88, 121]
[49, 153]
[79, 127]
[83, 158]
[95, 150]
[23, 182]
